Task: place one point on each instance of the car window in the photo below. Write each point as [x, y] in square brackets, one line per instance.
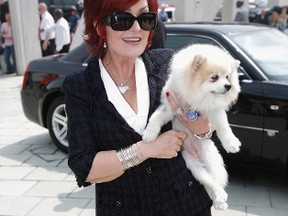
[78, 54]
[268, 49]
[177, 42]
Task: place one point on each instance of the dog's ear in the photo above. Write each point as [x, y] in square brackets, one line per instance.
[236, 65]
[198, 61]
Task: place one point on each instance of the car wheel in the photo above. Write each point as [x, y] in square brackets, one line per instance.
[57, 123]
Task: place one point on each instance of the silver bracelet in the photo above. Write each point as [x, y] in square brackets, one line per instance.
[207, 135]
[128, 157]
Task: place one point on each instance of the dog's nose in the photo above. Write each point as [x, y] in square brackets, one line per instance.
[227, 87]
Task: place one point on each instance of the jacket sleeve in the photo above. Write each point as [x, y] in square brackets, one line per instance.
[82, 146]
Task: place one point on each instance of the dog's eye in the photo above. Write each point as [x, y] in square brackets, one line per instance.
[215, 78]
[227, 77]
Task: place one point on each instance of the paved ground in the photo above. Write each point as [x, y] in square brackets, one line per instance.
[35, 179]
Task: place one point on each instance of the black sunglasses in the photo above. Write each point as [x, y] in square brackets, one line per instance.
[123, 21]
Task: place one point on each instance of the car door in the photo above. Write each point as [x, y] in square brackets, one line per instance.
[275, 145]
[246, 116]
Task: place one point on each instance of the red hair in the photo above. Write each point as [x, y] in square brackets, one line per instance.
[96, 10]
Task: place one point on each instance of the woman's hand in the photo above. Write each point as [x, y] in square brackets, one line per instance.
[199, 126]
[167, 145]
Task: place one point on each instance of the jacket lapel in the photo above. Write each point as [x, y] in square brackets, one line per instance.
[153, 81]
[97, 88]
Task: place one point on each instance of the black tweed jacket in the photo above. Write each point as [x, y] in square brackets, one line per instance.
[155, 187]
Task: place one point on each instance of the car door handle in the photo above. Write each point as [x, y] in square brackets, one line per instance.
[270, 132]
[274, 107]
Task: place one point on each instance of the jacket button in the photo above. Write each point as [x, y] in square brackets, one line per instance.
[190, 183]
[149, 169]
[118, 204]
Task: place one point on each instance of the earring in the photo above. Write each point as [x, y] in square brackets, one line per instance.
[104, 45]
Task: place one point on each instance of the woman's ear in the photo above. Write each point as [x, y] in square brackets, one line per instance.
[95, 25]
[97, 28]
[100, 33]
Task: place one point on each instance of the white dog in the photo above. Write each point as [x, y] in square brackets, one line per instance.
[205, 78]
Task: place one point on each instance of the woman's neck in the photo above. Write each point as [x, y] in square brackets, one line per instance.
[120, 67]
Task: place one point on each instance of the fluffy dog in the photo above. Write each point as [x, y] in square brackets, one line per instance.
[205, 78]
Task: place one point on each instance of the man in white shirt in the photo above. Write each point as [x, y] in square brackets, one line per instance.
[46, 22]
[62, 31]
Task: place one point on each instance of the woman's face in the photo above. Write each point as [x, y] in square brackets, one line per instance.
[7, 17]
[130, 43]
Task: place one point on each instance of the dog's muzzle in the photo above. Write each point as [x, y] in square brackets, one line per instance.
[227, 87]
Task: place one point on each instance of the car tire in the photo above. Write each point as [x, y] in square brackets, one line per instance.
[57, 123]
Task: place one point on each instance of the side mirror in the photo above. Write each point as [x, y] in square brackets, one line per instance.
[242, 74]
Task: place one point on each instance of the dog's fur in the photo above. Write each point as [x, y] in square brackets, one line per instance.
[205, 78]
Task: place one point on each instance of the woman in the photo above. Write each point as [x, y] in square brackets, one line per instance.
[108, 106]
[282, 19]
[7, 34]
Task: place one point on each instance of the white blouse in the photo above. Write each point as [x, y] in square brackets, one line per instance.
[136, 120]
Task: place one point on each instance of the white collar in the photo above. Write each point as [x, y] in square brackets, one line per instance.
[136, 120]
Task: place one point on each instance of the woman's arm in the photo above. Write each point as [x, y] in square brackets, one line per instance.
[106, 165]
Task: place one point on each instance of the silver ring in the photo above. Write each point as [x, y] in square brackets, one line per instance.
[179, 111]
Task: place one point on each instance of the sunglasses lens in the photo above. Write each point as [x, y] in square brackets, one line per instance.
[147, 21]
[122, 21]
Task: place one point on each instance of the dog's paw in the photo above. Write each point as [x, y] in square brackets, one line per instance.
[220, 201]
[220, 205]
[150, 134]
[232, 145]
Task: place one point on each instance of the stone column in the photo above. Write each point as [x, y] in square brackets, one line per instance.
[25, 23]
[196, 10]
[279, 3]
[228, 10]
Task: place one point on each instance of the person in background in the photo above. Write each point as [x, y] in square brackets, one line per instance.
[9, 54]
[61, 29]
[4, 8]
[282, 19]
[74, 20]
[163, 15]
[273, 18]
[46, 22]
[242, 13]
[262, 18]
[108, 106]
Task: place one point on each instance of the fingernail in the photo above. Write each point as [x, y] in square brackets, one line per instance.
[167, 94]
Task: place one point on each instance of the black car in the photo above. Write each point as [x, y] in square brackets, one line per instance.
[259, 118]
[41, 94]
